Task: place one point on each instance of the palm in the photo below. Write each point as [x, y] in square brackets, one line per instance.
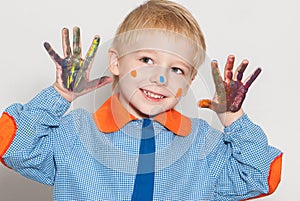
[73, 74]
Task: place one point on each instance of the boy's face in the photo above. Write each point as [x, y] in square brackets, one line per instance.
[151, 77]
[151, 81]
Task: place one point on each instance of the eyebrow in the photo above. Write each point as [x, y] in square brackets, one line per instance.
[189, 67]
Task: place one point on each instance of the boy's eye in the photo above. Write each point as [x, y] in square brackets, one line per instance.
[177, 70]
[147, 60]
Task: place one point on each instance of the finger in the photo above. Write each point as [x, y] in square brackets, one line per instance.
[55, 57]
[66, 42]
[228, 68]
[218, 81]
[240, 70]
[99, 82]
[76, 42]
[250, 80]
[206, 103]
[91, 52]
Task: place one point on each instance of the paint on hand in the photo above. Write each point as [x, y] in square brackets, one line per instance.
[230, 94]
[74, 68]
[93, 49]
[205, 103]
[76, 42]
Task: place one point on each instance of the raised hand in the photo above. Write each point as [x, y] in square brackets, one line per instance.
[230, 92]
[72, 72]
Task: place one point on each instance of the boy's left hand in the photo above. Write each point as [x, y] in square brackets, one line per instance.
[231, 92]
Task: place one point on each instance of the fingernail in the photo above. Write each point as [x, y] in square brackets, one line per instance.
[97, 39]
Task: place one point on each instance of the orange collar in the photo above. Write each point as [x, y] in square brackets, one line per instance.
[112, 116]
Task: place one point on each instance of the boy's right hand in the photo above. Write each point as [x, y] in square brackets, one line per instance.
[72, 72]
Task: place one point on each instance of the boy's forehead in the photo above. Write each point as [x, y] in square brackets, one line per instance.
[159, 40]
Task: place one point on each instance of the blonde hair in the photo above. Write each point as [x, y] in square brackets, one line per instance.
[165, 15]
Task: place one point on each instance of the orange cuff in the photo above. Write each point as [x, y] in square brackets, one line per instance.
[274, 176]
[8, 129]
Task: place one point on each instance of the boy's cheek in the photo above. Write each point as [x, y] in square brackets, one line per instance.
[178, 93]
[133, 73]
[179, 86]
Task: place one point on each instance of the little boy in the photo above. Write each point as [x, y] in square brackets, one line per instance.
[136, 146]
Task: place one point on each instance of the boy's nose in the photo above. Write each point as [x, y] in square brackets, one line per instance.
[159, 77]
[162, 79]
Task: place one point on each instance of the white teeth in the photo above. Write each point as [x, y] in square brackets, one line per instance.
[149, 94]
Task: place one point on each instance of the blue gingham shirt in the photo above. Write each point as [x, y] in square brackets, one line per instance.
[83, 163]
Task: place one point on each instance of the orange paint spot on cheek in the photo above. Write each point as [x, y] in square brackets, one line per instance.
[179, 93]
[133, 73]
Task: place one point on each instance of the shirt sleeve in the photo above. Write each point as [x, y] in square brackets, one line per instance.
[244, 164]
[27, 135]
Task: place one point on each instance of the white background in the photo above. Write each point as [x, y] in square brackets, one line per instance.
[265, 32]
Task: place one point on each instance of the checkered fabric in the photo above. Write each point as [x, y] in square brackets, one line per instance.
[69, 152]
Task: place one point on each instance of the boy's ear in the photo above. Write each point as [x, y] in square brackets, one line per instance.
[113, 61]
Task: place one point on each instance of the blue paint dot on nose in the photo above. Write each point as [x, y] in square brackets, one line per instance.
[162, 79]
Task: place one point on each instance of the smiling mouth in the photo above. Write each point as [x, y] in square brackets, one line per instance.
[152, 96]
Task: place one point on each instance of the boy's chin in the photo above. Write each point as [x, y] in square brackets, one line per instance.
[148, 113]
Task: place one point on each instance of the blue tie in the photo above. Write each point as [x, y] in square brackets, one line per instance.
[144, 180]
